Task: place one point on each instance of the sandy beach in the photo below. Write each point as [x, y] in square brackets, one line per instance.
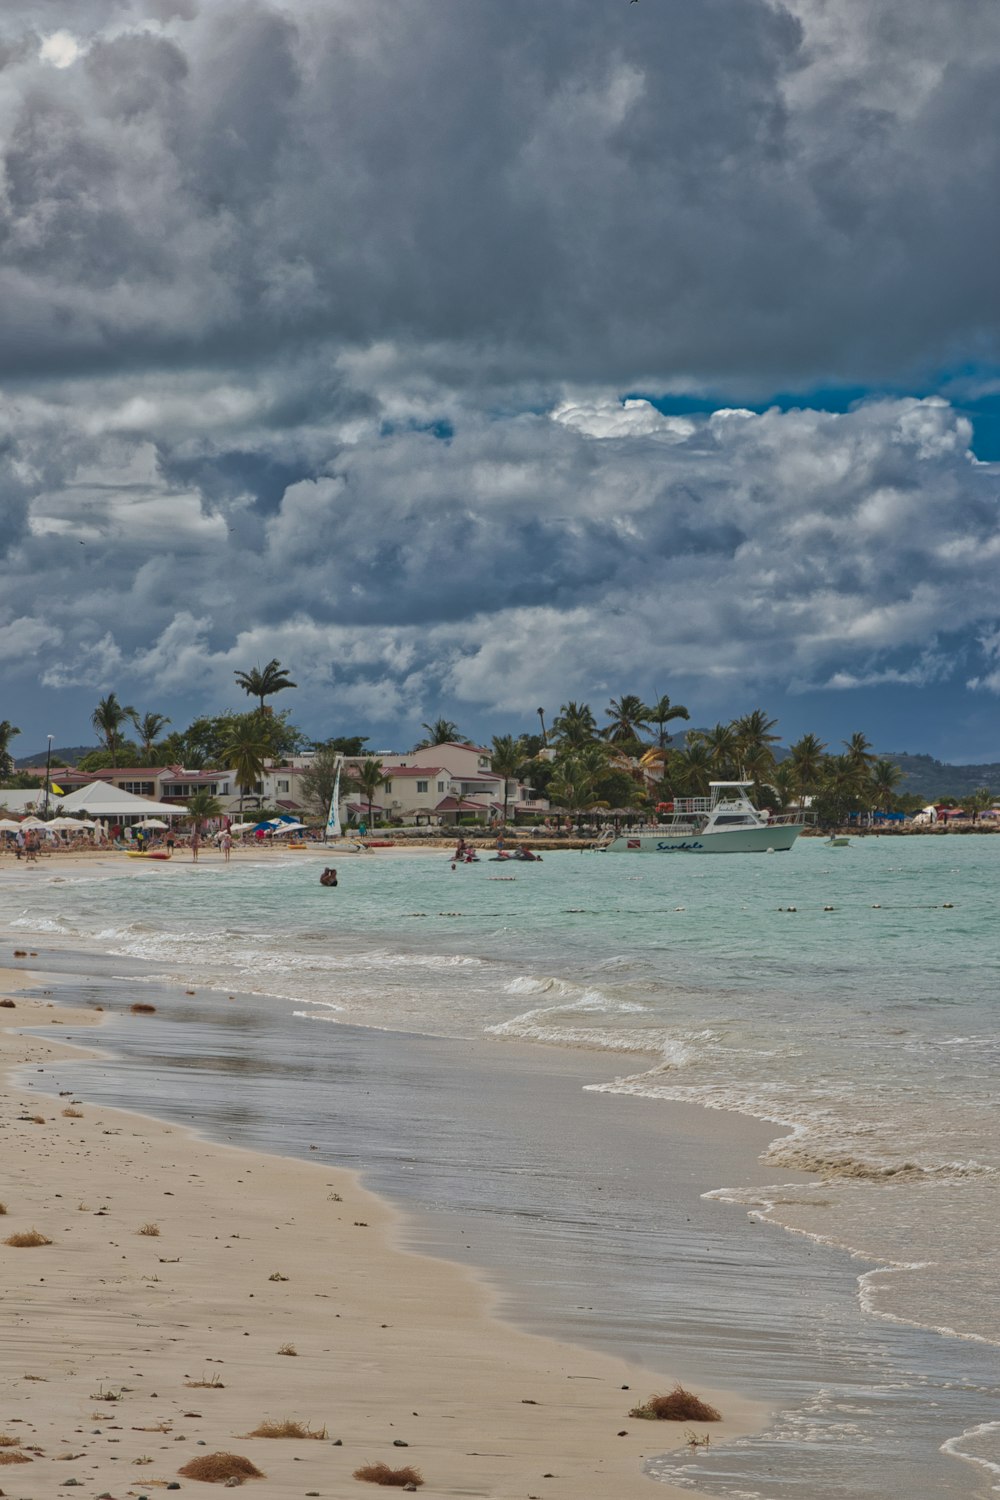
[158, 1325]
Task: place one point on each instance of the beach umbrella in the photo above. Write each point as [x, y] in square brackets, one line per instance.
[9, 825]
[152, 823]
[68, 823]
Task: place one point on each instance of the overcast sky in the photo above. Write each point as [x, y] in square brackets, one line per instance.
[475, 355]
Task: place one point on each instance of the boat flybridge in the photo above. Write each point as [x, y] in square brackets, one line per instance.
[724, 823]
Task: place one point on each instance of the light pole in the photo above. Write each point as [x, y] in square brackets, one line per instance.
[48, 763]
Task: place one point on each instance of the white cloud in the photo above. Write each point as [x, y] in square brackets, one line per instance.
[61, 49]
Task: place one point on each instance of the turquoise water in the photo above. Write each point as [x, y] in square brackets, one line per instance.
[848, 994]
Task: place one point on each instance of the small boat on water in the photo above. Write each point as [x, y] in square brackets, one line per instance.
[724, 823]
[837, 841]
[147, 854]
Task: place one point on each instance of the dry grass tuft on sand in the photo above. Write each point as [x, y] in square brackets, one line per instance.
[8, 1004]
[382, 1474]
[211, 1383]
[3, 1208]
[677, 1405]
[73, 1114]
[6, 1441]
[286, 1429]
[216, 1468]
[288, 1349]
[152, 1230]
[11, 1456]
[142, 1008]
[27, 1239]
[37, 1119]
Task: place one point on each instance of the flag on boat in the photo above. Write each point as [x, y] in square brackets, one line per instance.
[333, 828]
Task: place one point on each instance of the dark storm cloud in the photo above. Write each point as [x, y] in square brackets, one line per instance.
[566, 191]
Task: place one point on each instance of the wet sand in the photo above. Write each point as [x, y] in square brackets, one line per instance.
[255, 1254]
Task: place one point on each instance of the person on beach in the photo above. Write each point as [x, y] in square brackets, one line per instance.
[195, 845]
[169, 840]
[227, 845]
[328, 877]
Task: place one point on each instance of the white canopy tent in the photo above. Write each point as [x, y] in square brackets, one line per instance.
[101, 800]
[68, 823]
[9, 825]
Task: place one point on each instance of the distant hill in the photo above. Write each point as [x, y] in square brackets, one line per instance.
[929, 778]
[67, 756]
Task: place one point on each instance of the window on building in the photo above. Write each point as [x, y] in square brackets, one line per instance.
[138, 788]
[442, 786]
[422, 786]
[284, 786]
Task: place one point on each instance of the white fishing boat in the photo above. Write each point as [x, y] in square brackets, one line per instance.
[724, 823]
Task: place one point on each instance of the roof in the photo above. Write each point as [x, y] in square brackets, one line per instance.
[108, 801]
[422, 771]
[459, 804]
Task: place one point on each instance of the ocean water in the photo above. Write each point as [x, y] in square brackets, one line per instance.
[846, 997]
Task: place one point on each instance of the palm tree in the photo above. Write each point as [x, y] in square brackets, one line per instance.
[662, 712]
[691, 770]
[807, 762]
[265, 682]
[108, 718]
[574, 783]
[723, 747]
[245, 752]
[753, 733]
[507, 758]
[441, 732]
[628, 716]
[574, 726]
[845, 788]
[885, 777]
[201, 806]
[369, 777]
[8, 732]
[148, 727]
[859, 751]
[976, 802]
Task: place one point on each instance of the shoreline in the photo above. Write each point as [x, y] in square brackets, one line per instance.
[380, 1331]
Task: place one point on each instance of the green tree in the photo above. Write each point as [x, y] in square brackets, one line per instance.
[441, 732]
[859, 751]
[343, 744]
[844, 788]
[264, 682]
[369, 778]
[201, 806]
[8, 732]
[691, 770]
[662, 712]
[754, 738]
[245, 752]
[884, 777]
[574, 782]
[149, 727]
[806, 759]
[723, 746]
[102, 760]
[978, 802]
[574, 726]
[627, 716]
[320, 777]
[508, 756]
[107, 719]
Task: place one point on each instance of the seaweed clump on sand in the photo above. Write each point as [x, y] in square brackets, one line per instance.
[678, 1405]
[217, 1468]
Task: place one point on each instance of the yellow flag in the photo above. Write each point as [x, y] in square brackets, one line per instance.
[57, 789]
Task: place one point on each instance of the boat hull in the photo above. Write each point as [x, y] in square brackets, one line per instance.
[775, 837]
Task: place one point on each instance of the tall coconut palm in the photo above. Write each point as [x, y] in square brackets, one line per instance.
[691, 770]
[723, 746]
[148, 727]
[507, 757]
[753, 732]
[845, 788]
[662, 712]
[574, 726]
[859, 750]
[628, 716]
[108, 718]
[574, 783]
[441, 732]
[264, 682]
[245, 752]
[369, 778]
[885, 777]
[806, 759]
[976, 802]
[8, 732]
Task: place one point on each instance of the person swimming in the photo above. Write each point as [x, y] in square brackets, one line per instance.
[328, 877]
